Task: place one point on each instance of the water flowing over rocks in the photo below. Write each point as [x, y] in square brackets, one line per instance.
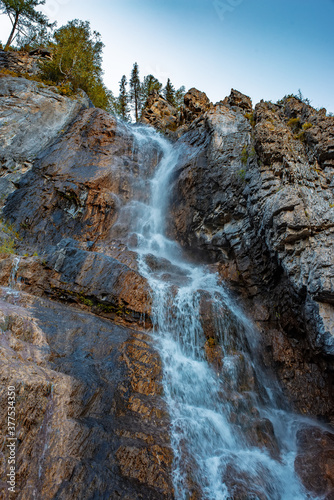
[90, 322]
[255, 197]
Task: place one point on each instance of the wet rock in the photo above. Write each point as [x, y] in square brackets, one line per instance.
[214, 354]
[315, 460]
[242, 485]
[250, 197]
[44, 113]
[90, 420]
[80, 186]
[91, 279]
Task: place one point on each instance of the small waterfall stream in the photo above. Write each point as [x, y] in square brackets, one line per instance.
[230, 437]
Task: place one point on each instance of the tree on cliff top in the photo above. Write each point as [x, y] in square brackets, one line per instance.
[169, 93]
[23, 16]
[77, 61]
[150, 83]
[123, 99]
[135, 90]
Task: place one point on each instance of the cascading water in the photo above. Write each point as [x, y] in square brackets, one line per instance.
[229, 436]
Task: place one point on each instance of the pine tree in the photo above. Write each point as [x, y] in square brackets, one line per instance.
[123, 99]
[135, 90]
[23, 16]
[169, 93]
[179, 96]
[150, 83]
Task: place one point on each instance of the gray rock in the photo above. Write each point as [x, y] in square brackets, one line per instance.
[32, 115]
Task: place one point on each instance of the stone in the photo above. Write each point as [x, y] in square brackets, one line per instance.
[239, 100]
[90, 420]
[44, 113]
[160, 114]
[315, 460]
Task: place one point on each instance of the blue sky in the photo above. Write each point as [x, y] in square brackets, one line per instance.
[264, 48]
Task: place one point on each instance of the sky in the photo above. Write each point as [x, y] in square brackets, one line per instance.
[263, 48]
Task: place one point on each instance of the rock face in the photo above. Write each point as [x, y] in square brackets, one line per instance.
[315, 461]
[252, 196]
[28, 110]
[258, 202]
[90, 419]
[21, 62]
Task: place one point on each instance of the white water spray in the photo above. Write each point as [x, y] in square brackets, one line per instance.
[229, 437]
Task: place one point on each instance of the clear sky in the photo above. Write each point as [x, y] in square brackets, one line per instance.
[264, 48]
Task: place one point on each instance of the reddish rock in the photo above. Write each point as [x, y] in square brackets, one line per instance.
[315, 460]
[160, 114]
[239, 100]
[90, 420]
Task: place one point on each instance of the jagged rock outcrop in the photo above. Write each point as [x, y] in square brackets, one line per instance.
[195, 103]
[238, 101]
[258, 201]
[30, 110]
[160, 114]
[22, 62]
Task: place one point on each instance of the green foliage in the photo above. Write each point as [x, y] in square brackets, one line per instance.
[179, 97]
[299, 96]
[242, 174]
[307, 125]
[294, 124]
[123, 99]
[244, 155]
[149, 84]
[8, 241]
[24, 17]
[250, 118]
[300, 136]
[77, 62]
[35, 37]
[136, 90]
[169, 93]
[8, 246]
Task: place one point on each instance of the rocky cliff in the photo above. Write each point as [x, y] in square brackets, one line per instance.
[252, 196]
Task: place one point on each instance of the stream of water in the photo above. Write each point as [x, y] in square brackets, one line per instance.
[230, 436]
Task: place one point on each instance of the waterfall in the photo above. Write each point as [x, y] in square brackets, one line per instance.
[13, 274]
[230, 437]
